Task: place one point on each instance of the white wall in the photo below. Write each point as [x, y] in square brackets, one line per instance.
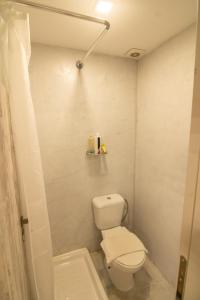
[165, 81]
[70, 105]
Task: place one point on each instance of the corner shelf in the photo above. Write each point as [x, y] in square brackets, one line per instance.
[93, 154]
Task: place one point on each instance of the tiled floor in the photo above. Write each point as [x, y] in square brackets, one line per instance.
[149, 283]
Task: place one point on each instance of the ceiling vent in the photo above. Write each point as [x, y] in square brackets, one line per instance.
[135, 53]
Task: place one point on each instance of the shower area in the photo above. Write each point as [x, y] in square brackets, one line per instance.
[70, 71]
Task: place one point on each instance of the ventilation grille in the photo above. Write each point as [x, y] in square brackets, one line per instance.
[134, 53]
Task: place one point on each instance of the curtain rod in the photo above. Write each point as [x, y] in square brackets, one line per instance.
[80, 62]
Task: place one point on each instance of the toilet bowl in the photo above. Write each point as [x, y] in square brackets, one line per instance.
[121, 270]
[124, 253]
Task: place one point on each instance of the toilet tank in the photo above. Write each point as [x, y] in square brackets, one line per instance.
[108, 211]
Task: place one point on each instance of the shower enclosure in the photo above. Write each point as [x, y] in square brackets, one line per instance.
[22, 183]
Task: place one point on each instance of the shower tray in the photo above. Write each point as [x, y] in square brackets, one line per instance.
[76, 277]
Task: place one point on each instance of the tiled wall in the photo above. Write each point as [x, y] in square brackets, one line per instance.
[70, 105]
[165, 85]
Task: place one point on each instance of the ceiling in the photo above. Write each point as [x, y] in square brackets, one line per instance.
[143, 24]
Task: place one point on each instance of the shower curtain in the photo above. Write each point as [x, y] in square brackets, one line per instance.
[13, 283]
[18, 122]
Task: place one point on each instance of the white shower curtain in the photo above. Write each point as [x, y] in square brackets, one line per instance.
[13, 282]
[14, 59]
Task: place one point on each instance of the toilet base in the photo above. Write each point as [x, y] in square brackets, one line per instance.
[123, 281]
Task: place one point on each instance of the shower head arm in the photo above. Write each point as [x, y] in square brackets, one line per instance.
[80, 63]
[72, 14]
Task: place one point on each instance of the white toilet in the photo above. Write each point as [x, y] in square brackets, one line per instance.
[124, 253]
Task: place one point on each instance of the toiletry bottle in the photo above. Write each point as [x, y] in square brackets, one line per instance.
[97, 144]
[91, 144]
[103, 149]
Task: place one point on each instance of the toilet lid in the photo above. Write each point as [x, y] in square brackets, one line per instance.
[131, 260]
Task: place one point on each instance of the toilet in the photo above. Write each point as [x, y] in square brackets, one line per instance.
[124, 253]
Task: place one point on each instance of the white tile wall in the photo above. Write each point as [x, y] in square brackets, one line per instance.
[165, 85]
[70, 105]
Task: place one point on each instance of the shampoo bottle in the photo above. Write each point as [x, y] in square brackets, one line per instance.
[91, 144]
[97, 144]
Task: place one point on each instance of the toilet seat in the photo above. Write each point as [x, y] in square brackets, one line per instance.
[128, 262]
[113, 231]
